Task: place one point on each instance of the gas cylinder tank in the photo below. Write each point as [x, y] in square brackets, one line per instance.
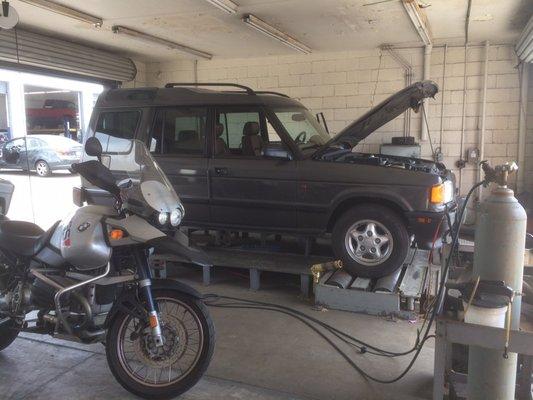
[500, 241]
[81, 237]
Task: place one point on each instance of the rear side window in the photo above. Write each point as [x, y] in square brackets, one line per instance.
[115, 129]
[234, 124]
[179, 131]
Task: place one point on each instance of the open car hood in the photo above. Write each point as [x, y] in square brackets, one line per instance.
[409, 97]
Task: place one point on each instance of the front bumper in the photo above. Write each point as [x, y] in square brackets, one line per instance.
[428, 227]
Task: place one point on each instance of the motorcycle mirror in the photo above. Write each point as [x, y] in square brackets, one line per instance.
[93, 147]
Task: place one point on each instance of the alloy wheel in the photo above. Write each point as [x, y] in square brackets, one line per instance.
[369, 242]
[42, 168]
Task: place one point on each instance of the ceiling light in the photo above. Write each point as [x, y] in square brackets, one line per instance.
[66, 11]
[419, 20]
[275, 33]
[225, 5]
[167, 43]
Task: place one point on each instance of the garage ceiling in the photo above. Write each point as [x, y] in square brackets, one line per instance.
[323, 25]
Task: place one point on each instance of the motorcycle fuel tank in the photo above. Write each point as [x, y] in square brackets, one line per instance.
[81, 237]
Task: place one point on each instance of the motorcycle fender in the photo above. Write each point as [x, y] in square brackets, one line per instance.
[177, 246]
[128, 301]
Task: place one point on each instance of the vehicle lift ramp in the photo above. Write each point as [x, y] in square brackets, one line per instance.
[393, 295]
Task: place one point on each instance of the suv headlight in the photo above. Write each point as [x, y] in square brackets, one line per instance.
[162, 218]
[441, 193]
[176, 216]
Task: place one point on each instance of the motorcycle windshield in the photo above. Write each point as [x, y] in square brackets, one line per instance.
[144, 187]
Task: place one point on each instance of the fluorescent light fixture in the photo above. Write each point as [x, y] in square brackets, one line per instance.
[275, 33]
[66, 11]
[225, 5]
[419, 20]
[154, 39]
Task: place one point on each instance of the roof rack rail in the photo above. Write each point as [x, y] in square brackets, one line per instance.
[274, 93]
[245, 88]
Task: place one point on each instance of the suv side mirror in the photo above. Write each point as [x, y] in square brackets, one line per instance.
[93, 147]
[277, 151]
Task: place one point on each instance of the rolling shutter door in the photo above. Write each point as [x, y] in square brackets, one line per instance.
[26, 48]
[524, 47]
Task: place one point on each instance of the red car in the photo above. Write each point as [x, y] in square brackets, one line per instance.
[54, 114]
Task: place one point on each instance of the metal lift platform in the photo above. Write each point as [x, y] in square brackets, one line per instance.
[258, 262]
[394, 295]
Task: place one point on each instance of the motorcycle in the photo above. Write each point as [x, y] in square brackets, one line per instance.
[89, 278]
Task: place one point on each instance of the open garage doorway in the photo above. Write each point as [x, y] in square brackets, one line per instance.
[52, 111]
[42, 122]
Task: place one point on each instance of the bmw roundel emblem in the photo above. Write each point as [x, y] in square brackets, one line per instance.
[83, 227]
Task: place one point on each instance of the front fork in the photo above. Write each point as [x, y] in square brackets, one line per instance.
[145, 290]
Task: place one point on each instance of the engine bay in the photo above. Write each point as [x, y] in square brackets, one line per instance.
[381, 160]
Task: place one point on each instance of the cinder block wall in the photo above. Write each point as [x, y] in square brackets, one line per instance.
[344, 85]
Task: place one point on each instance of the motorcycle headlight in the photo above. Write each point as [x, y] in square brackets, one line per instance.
[175, 217]
[162, 218]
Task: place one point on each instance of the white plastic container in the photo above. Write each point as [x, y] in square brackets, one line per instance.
[494, 317]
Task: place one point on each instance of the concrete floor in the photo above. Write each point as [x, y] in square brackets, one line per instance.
[259, 355]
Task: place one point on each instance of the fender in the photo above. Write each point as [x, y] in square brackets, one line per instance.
[178, 246]
[371, 193]
[128, 301]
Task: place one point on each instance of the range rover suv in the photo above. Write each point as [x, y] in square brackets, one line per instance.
[250, 161]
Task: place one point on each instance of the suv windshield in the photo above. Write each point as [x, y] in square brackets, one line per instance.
[302, 127]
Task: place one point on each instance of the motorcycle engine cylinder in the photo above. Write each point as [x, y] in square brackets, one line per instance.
[42, 294]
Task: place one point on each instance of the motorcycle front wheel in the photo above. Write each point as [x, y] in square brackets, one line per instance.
[168, 371]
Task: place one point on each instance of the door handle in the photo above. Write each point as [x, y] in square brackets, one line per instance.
[221, 170]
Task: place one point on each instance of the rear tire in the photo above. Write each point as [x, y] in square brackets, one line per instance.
[8, 334]
[177, 336]
[371, 240]
[42, 168]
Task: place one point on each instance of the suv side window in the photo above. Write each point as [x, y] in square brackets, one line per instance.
[115, 129]
[179, 131]
[242, 131]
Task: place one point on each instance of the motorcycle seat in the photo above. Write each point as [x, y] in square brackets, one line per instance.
[23, 238]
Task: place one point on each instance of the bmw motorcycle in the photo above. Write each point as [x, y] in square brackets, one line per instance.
[88, 278]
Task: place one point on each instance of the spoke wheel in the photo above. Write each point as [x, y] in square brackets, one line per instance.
[167, 371]
[8, 333]
[161, 366]
[369, 242]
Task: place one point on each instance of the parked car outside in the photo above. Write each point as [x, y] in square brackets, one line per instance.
[40, 153]
[260, 162]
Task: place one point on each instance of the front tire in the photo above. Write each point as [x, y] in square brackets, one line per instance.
[371, 240]
[168, 371]
[42, 168]
[8, 334]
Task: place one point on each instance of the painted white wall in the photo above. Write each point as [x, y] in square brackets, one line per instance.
[528, 175]
[140, 79]
[344, 85]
